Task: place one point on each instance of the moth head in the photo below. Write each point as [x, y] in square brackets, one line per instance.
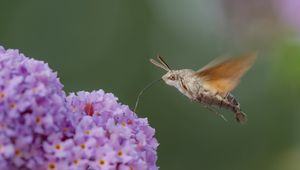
[171, 77]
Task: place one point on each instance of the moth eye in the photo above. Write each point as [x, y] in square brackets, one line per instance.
[172, 77]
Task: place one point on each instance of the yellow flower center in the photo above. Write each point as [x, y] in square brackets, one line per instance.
[120, 153]
[101, 162]
[57, 146]
[38, 120]
[51, 166]
[82, 146]
[18, 152]
[13, 105]
[2, 95]
[76, 161]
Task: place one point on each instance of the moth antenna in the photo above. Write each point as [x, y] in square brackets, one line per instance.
[160, 58]
[159, 65]
[143, 90]
[217, 113]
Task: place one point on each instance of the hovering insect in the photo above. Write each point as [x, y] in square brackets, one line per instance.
[212, 84]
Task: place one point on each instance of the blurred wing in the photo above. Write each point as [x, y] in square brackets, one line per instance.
[225, 76]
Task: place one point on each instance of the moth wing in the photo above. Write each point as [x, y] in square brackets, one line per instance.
[223, 76]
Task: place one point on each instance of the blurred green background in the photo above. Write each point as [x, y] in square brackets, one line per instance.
[107, 45]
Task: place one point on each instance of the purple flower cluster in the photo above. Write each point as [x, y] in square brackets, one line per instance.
[41, 128]
[109, 135]
[31, 107]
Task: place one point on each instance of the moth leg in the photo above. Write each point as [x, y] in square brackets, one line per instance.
[225, 96]
[214, 111]
[195, 100]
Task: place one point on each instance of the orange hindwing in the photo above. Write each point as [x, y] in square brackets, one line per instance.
[224, 76]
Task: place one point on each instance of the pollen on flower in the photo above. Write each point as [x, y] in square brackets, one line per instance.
[76, 161]
[13, 105]
[120, 153]
[2, 95]
[51, 166]
[57, 146]
[38, 120]
[87, 132]
[131, 168]
[18, 152]
[89, 109]
[123, 124]
[82, 146]
[101, 162]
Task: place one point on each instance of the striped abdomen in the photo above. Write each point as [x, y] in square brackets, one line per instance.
[234, 106]
[229, 102]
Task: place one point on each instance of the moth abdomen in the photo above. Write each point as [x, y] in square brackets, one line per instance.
[234, 106]
[230, 98]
